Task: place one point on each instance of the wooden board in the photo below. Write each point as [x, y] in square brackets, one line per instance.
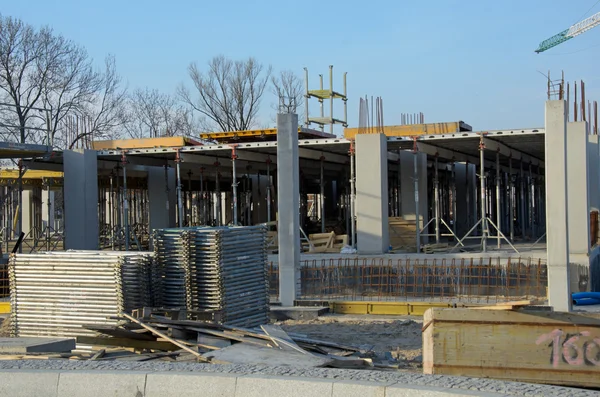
[126, 342]
[527, 346]
[243, 353]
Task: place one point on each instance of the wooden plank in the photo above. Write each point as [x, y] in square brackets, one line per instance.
[164, 336]
[506, 305]
[524, 346]
[126, 342]
[98, 355]
[118, 332]
[242, 353]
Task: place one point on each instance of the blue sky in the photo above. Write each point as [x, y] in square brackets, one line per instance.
[470, 60]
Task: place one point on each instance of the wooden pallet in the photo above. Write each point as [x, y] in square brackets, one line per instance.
[525, 345]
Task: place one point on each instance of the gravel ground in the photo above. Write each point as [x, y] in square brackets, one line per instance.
[408, 378]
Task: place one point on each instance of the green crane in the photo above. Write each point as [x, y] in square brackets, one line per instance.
[575, 30]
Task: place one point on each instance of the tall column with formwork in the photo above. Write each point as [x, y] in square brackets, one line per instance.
[81, 199]
[288, 205]
[557, 238]
[372, 221]
[579, 200]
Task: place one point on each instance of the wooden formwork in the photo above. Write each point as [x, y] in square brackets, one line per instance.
[525, 345]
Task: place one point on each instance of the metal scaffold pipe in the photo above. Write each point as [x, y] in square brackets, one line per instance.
[498, 211]
[218, 195]
[436, 187]
[484, 229]
[322, 183]
[125, 203]
[511, 217]
[352, 195]
[416, 186]
[179, 188]
[268, 189]
[202, 198]
[234, 185]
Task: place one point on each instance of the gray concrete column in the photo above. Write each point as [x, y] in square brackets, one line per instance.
[288, 204]
[577, 186]
[27, 212]
[160, 214]
[559, 289]
[81, 199]
[372, 223]
[593, 168]
[408, 190]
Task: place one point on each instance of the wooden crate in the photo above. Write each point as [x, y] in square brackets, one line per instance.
[527, 346]
[402, 233]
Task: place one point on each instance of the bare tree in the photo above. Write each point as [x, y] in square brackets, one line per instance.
[229, 94]
[28, 59]
[153, 114]
[287, 87]
[106, 112]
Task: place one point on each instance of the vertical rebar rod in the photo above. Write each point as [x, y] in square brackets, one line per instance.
[234, 186]
[484, 229]
[179, 199]
[436, 188]
[322, 185]
[511, 217]
[498, 208]
[416, 187]
[125, 203]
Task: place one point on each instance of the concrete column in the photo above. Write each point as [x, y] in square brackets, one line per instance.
[27, 212]
[577, 186]
[372, 194]
[81, 199]
[160, 215]
[288, 205]
[593, 168]
[559, 289]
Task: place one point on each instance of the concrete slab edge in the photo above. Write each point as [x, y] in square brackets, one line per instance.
[100, 383]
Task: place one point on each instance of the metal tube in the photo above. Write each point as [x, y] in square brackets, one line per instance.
[522, 199]
[125, 204]
[532, 206]
[111, 215]
[322, 183]
[49, 207]
[511, 191]
[498, 208]
[202, 198]
[399, 187]
[331, 98]
[484, 228]
[468, 193]
[306, 96]
[218, 198]
[268, 190]
[234, 186]
[436, 187]
[416, 187]
[179, 200]
[345, 100]
[20, 205]
[352, 196]
[454, 197]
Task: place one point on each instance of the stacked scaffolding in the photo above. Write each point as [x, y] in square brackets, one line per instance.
[57, 293]
[216, 272]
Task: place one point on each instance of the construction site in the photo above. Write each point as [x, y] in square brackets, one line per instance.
[282, 257]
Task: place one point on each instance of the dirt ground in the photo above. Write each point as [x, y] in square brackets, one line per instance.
[400, 336]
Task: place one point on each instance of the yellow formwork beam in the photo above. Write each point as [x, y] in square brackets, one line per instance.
[30, 174]
[413, 129]
[143, 143]
[4, 307]
[387, 308]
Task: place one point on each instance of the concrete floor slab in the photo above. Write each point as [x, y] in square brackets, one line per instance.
[283, 313]
[36, 345]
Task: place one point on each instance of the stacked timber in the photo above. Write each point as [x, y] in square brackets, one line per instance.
[403, 234]
[56, 293]
[220, 274]
[522, 345]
